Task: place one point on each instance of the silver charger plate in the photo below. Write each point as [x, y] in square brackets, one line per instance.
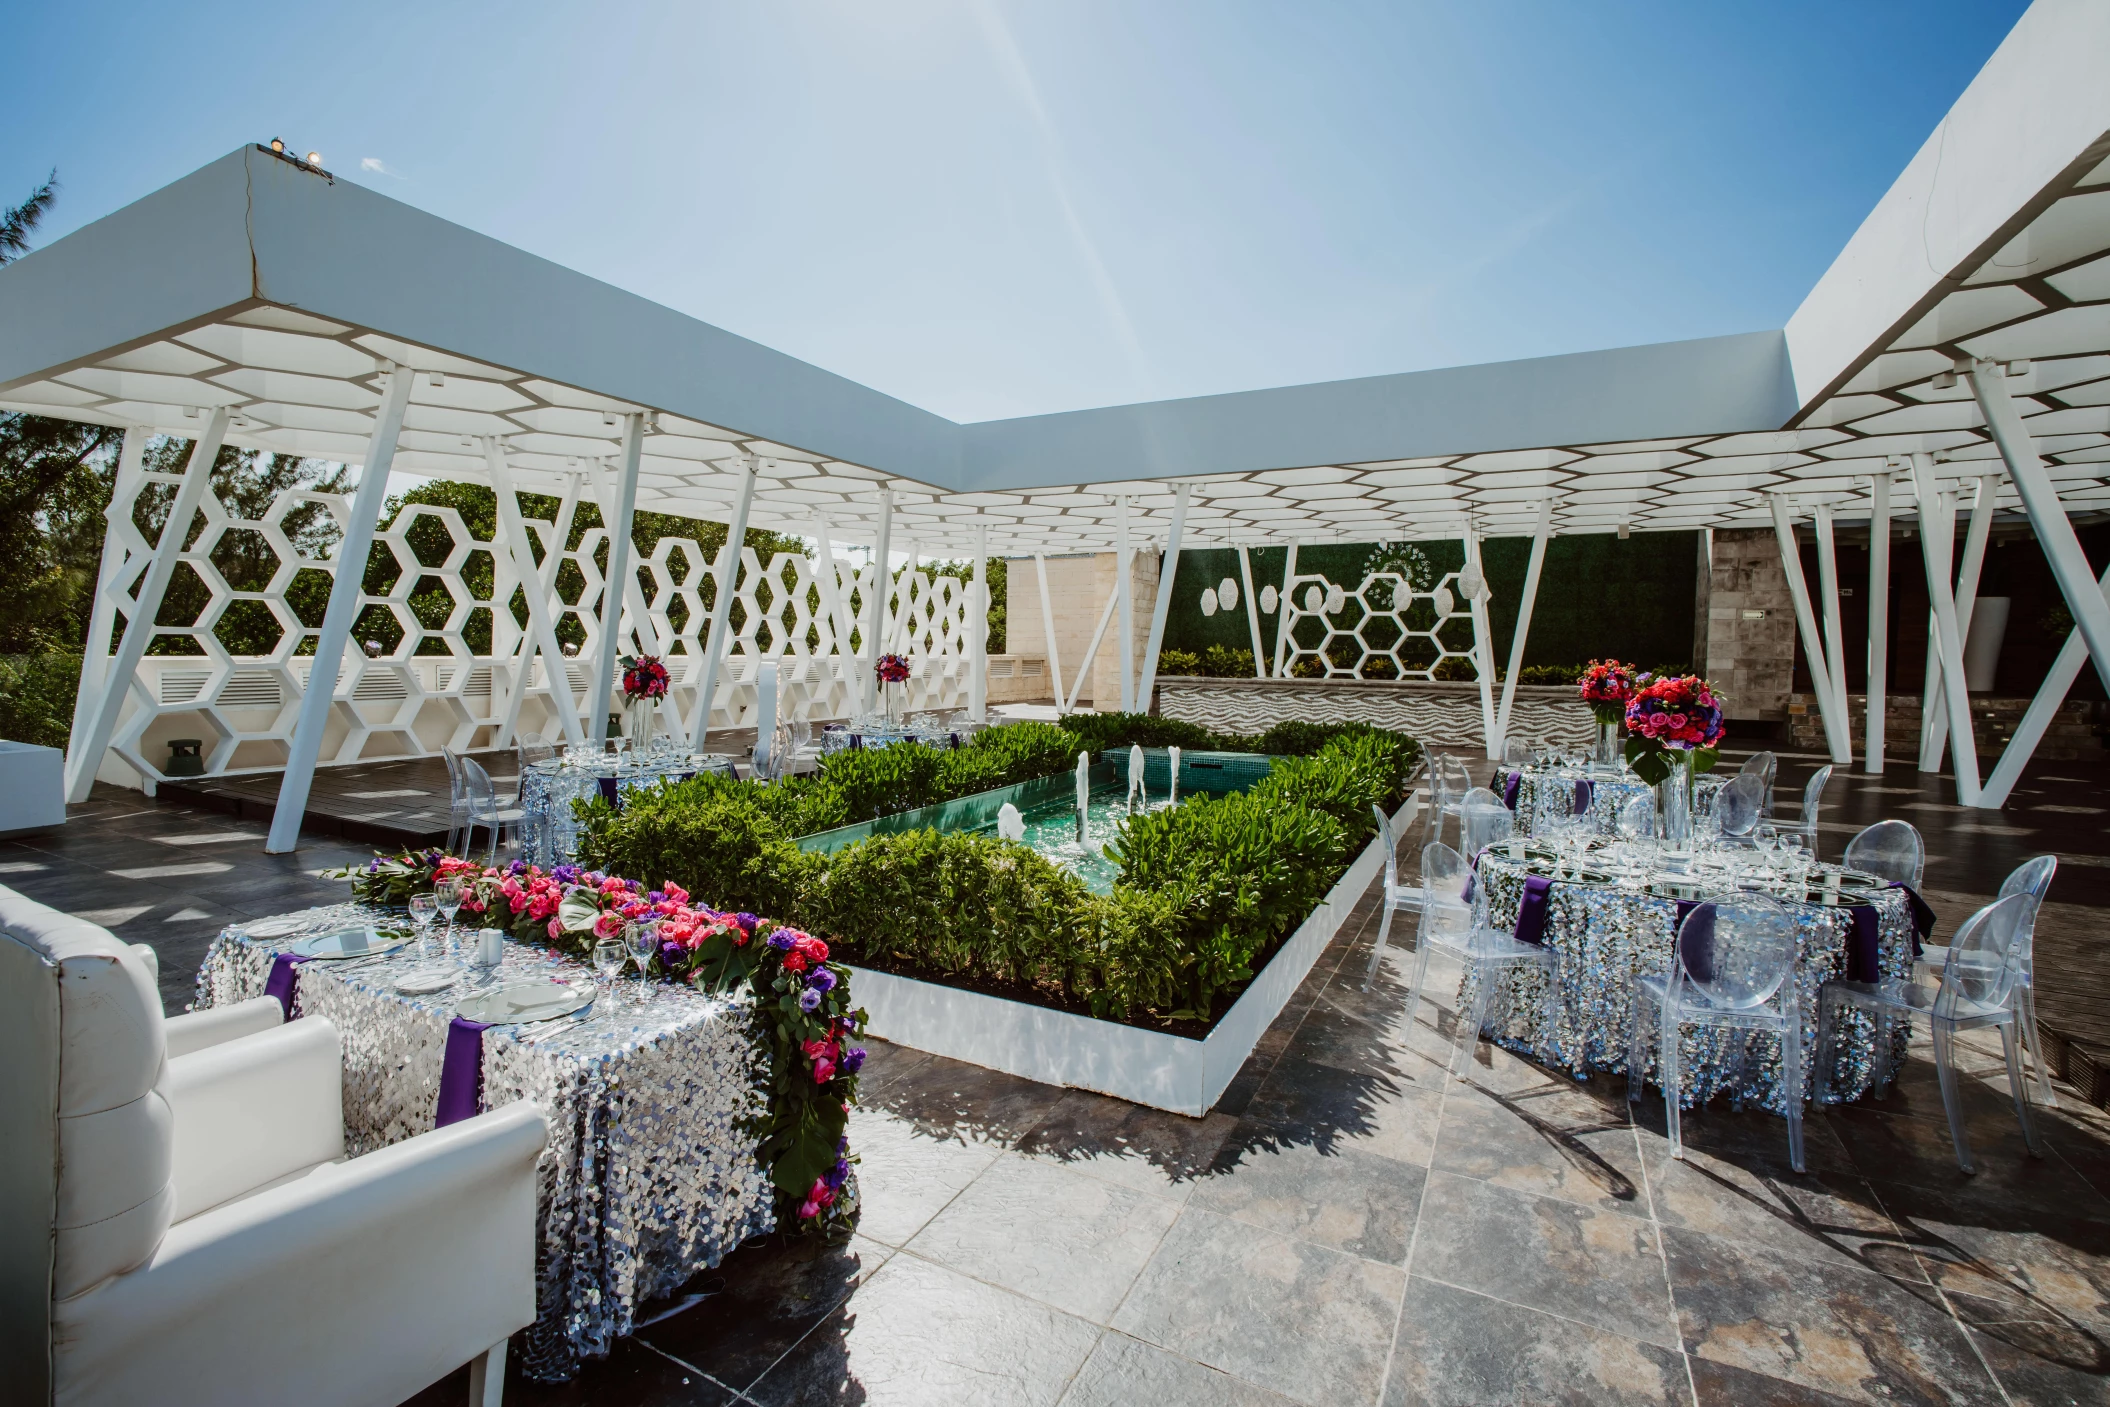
[350, 943]
[524, 1001]
[276, 927]
[421, 980]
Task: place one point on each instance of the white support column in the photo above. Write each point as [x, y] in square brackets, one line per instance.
[1974, 544]
[2040, 500]
[638, 628]
[95, 653]
[1091, 651]
[535, 585]
[978, 630]
[1166, 572]
[347, 585]
[1937, 543]
[1124, 567]
[1834, 632]
[1483, 645]
[1252, 611]
[838, 609]
[612, 589]
[1289, 581]
[2042, 709]
[880, 633]
[1539, 535]
[1806, 620]
[523, 672]
[1878, 620]
[85, 755]
[1047, 631]
[722, 604]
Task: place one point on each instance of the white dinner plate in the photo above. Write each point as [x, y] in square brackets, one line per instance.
[525, 1001]
[421, 980]
[276, 927]
[349, 943]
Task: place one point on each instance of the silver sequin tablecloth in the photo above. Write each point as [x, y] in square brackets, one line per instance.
[1541, 788]
[550, 830]
[1602, 936]
[650, 1175]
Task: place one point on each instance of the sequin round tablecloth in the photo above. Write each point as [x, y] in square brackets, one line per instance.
[550, 830]
[650, 1175]
[1544, 789]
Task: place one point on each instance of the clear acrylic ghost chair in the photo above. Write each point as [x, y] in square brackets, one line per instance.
[1516, 752]
[1812, 797]
[1448, 784]
[483, 809]
[1459, 927]
[1889, 850]
[1637, 818]
[457, 803]
[1986, 960]
[1399, 898]
[1738, 805]
[1765, 766]
[2032, 877]
[1484, 820]
[1733, 969]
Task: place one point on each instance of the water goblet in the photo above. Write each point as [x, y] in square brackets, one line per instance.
[448, 895]
[424, 910]
[641, 941]
[609, 955]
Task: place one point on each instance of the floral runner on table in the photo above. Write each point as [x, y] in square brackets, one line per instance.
[686, 1114]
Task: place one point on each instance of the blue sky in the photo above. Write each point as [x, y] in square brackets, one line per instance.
[996, 209]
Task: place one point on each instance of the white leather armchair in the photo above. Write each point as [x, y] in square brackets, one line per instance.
[186, 1229]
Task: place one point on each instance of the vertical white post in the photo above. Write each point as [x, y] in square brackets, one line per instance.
[612, 590]
[347, 585]
[1516, 644]
[1967, 574]
[1047, 630]
[2040, 500]
[1289, 583]
[638, 627]
[1930, 697]
[2042, 709]
[1806, 621]
[1252, 610]
[978, 630]
[722, 605]
[1483, 645]
[838, 610]
[85, 754]
[542, 624]
[1163, 605]
[1878, 619]
[1124, 567]
[102, 616]
[554, 669]
[1834, 632]
[1937, 543]
[879, 634]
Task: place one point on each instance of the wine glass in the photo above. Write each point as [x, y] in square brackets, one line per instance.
[642, 942]
[448, 895]
[424, 909]
[609, 955]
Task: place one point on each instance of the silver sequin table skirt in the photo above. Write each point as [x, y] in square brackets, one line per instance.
[1603, 936]
[1541, 789]
[650, 1175]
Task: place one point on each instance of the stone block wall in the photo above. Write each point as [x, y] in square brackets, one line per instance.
[2076, 732]
[1077, 590]
[1750, 639]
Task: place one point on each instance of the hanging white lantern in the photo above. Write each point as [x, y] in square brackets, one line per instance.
[1471, 585]
[1314, 598]
[1444, 601]
[1335, 599]
[1227, 594]
[1208, 600]
[1268, 600]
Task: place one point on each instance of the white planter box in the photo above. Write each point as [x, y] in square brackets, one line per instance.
[32, 787]
[1145, 1067]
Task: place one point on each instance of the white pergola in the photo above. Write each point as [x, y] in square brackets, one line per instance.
[1956, 354]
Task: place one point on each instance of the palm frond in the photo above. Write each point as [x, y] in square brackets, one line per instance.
[16, 224]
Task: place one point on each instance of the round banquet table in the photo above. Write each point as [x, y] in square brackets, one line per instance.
[1605, 929]
[1543, 790]
[549, 832]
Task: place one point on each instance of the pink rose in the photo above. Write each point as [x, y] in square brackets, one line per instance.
[556, 930]
[609, 925]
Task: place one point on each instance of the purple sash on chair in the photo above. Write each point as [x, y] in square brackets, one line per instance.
[284, 968]
[1922, 915]
[609, 793]
[1863, 945]
[1585, 793]
[1509, 790]
[1695, 945]
[461, 1074]
[1531, 912]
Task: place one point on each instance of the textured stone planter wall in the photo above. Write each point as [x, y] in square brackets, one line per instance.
[1443, 715]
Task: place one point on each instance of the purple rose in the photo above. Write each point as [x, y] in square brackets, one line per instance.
[836, 1176]
[656, 897]
[821, 980]
[780, 940]
[809, 999]
[854, 1061]
[375, 867]
[748, 922]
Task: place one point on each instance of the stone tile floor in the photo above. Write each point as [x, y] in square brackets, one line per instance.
[1351, 1225]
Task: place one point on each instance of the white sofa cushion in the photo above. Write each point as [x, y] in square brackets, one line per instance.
[255, 1110]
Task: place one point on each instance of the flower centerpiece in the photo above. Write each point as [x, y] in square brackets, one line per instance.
[891, 669]
[802, 1007]
[644, 684]
[1607, 686]
[1674, 730]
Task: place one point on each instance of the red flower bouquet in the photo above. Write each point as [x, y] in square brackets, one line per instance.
[891, 669]
[644, 677]
[1672, 715]
[1607, 686]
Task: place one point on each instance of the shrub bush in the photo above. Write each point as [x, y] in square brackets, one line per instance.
[711, 836]
[1218, 662]
[36, 697]
[1180, 662]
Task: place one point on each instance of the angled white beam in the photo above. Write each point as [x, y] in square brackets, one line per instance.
[1834, 631]
[1124, 567]
[1878, 619]
[838, 609]
[879, 635]
[347, 584]
[1091, 650]
[978, 630]
[612, 588]
[2042, 709]
[86, 753]
[1974, 544]
[638, 627]
[1252, 610]
[2062, 548]
[1806, 621]
[523, 671]
[1047, 631]
[1483, 644]
[1289, 582]
[1937, 544]
[1166, 572]
[722, 602]
[102, 617]
[1539, 535]
[535, 586]
[901, 625]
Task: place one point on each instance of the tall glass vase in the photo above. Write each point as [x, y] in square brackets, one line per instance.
[1674, 802]
[1607, 754]
[637, 725]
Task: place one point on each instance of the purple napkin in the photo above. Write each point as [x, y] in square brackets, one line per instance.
[1509, 790]
[1922, 915]
[857, 742]
[1696, 942]
[1863, 951]
[608, 792]
[1585, 792]
[1531, 913]
[284, 968]
[461, 1074]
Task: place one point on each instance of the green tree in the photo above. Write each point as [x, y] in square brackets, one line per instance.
[17, 222]
[998, 577]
